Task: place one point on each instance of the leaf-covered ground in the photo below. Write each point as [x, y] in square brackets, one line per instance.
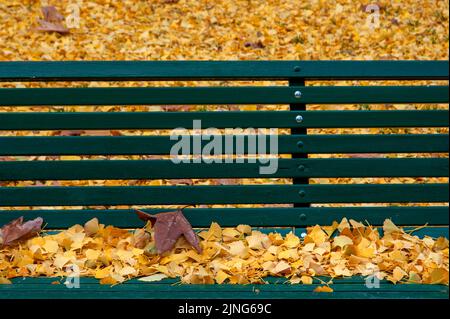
[223, 29]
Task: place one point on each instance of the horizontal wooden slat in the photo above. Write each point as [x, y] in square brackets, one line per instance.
[357, 280]
[154, 169]
[129, 145]
[429, 231]
[259, 194]
[203, 217]
[220, 70]
[225, 119]
[223, 95]
[185, 292]
[269, 279]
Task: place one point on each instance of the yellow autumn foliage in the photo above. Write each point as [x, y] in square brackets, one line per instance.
[110, 255]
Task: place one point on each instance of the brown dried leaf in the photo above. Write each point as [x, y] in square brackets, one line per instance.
[69, 133]
[255, 45]
[17, 230]
[146, 217]
[51, 27]
[366, 155]
[52, 21]
[176, 108]
[51, 14]
[181, 181]
[169, 227]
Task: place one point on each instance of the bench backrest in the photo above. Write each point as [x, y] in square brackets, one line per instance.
[93, 201]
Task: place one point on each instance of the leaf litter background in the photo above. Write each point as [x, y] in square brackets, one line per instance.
[222, 30]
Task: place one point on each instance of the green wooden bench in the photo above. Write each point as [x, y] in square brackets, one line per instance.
[299, 168]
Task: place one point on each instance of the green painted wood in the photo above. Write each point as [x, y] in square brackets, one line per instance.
[220, 70]
[220, 119]
[270, 216]
[266, 291]
[134, 145]
[91, 280]
[299, 131]
[196, 288]
[288, 168]
[223, 95]
[356, 280]
[242, 194]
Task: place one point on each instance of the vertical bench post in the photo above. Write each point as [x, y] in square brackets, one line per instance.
[299, 131]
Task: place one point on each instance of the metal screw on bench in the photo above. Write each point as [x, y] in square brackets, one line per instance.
[299, 144]
[299, 118]
[301, 168]
[301, 193]
[297, 68]
[298, 94]
[302, 217]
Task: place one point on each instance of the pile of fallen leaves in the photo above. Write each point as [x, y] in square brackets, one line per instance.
[239, 255]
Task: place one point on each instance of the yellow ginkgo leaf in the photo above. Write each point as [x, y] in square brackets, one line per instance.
[291, 240]
[317, 235]
[60, 261]
[390, 227]
[307, 280]
[221, 276]
[323, 289]
[152, 278]
[51, 246]
[342, 241]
